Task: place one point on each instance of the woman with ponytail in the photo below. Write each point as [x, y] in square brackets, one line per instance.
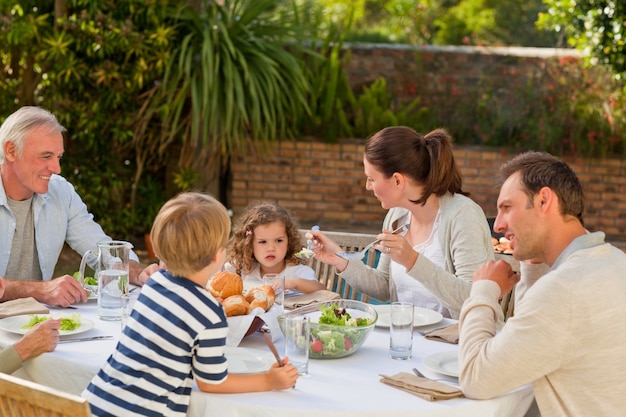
[448, 237]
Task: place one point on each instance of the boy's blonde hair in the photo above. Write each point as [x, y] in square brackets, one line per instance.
[188, 232]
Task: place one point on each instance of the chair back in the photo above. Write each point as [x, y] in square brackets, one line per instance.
[22, 398]
[507, 302]
[327, 275]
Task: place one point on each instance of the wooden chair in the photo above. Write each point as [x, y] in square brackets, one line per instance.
[508, 305]
[327, 275]
[507, 302]
[22, 398]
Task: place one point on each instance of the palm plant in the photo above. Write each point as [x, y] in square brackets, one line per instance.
[233, 80]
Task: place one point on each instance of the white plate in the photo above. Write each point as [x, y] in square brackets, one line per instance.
[248, 361]
[14, 324]
[446, 363]
[421, 316]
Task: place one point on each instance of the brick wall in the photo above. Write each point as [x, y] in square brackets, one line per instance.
[323, 183]
[438, 74]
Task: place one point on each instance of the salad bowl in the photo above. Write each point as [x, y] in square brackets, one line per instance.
[338, 327]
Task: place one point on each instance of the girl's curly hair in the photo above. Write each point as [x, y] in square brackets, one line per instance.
[240, 253]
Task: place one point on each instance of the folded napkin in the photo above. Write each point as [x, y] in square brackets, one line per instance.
[422, 387]
[310, 298]
[22, 306]
[448, 334]
[238, 326]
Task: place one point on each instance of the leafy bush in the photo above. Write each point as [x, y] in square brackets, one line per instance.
[459, 22]
[565, 108]
[374, 109]
[330, 97]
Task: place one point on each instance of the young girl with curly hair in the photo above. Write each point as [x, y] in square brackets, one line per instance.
[265, 240]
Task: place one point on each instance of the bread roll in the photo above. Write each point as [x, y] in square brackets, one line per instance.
[236, 305]
[224, 284]
[262, 296]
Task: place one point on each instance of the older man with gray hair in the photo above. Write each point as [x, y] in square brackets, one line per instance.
[40, 211]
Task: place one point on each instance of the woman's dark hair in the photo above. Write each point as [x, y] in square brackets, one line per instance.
[428, 159]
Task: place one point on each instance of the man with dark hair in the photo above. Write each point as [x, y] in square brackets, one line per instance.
[568, 334]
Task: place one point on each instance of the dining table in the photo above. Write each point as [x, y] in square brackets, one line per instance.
[345, 387]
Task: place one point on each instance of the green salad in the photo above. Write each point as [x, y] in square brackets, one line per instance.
[305, 253]
[333, 315]
[71, 322]
[333, 342]
[88, 280]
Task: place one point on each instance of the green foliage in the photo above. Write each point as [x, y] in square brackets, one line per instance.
[185, 178]
[594, 26]
[330, 96]
[91, 66]
[470, 19]
[375, 110]
[447, 22]
[565, 109]
[230, 70]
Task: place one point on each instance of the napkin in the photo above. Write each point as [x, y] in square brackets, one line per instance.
[448, 334]
[310, 298]
[238, 326]
[422, 387]
[22, 306]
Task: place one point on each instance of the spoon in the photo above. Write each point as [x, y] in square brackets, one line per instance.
[307, 253]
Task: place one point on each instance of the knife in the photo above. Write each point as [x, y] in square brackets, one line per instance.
[86, 339]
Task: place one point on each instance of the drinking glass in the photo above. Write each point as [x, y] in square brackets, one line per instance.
[401, 330]
[128, 303]
[277, 282]
[297, 341]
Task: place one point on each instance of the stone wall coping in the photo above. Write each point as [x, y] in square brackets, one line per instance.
[486, 50]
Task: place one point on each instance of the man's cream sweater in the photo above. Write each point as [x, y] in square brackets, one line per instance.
[567, 337]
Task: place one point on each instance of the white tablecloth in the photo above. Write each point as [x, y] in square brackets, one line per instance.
[342, 387]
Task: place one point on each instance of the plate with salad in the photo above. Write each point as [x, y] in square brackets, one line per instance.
[70, 323]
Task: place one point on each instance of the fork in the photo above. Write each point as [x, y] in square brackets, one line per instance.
[400, 231]
[421, 375]
[418, 373]
[307, 253]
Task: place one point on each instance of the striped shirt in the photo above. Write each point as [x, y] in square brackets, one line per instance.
[176, 332]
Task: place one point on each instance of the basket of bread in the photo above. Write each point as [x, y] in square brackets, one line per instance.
[247, 310]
